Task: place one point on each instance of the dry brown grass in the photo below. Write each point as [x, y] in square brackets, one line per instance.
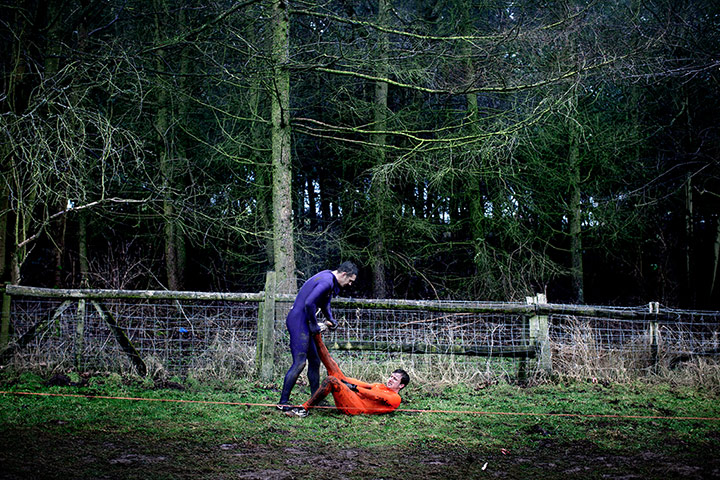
[581, 355]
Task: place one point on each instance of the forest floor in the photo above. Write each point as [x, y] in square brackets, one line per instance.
[114, 431]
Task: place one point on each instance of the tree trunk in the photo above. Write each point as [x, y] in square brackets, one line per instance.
[259, 137]
[18, 94]
[83, 251]
[716, 259]
[4, 214]
[23, 220]
[689, 234]
[575, 214]
[52, 66]
[59, 244]
[380, 188]
[312, 204]
[325, 201]
[476, 202]
[181, 156]
[284, 247]
[688, 146]
[167, 156]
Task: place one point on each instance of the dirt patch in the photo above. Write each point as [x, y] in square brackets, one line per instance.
[558, 461]
[266, 475]
[134, 458]
[42, 454]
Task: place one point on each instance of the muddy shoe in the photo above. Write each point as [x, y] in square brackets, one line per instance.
[297, 412]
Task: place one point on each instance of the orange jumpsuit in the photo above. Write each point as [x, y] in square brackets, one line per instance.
[370, 398]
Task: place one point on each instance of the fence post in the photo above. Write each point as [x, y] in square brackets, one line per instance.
[5, 320]
[538, 333]
[80, 333]
[265, 351]
[654, 333]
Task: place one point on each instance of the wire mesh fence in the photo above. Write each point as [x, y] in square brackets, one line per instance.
[615, 347]
[173, 336]
[435, 346]
[450, 342]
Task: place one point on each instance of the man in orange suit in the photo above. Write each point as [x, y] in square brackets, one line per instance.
[353, 396]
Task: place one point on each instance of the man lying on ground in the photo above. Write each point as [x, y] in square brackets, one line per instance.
[352, 396]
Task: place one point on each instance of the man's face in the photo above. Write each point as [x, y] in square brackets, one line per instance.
[345, 279]
[394, 382]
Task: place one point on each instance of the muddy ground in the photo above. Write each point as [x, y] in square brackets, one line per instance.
[47, 453]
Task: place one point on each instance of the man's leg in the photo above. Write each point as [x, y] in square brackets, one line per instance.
[333, 368]
[346, 400]
[323, 391]
[299, 345]
[313, 372]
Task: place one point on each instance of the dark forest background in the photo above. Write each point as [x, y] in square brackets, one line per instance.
[453, 149]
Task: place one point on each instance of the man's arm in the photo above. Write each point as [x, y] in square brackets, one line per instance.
[328, 311]
[358, 383]
[390, 399]
[311, 301]
[351, 386]
[328, 314]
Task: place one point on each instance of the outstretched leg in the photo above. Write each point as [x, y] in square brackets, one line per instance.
[333, 368]
[346, 400]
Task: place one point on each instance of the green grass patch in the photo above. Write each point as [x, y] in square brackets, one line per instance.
[518, 429]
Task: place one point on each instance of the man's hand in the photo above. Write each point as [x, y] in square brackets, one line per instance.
[327, 324]
[351, 386]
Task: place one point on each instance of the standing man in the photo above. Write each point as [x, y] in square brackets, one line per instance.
[302, 323]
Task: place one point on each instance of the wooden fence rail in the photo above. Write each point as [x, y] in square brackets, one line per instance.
[535, 312]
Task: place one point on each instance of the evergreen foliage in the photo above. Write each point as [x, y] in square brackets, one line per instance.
[453, 149]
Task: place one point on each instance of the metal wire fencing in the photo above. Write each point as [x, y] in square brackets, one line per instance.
[449, 342]
[168, 335]
[433, 346]
[648, 343]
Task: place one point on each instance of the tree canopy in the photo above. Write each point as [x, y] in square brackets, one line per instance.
[455, 149]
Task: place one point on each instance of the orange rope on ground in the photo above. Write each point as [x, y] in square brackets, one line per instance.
[409, 410]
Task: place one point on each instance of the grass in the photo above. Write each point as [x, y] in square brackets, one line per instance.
[85, 437]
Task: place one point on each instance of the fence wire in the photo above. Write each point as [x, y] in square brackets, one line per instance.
[218, 339]
[171, 336]
[437, 336]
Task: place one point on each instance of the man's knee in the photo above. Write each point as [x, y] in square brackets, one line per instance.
[332, 382]
[298, 365]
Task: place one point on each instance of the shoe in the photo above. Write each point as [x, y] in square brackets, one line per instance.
[297, 412]
[284, 408]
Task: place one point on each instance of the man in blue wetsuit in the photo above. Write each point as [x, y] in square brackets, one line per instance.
[302, 324]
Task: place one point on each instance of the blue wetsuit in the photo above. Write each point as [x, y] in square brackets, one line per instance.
[302, 323]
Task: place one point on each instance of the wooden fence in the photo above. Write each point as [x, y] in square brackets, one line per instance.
[524, 331]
